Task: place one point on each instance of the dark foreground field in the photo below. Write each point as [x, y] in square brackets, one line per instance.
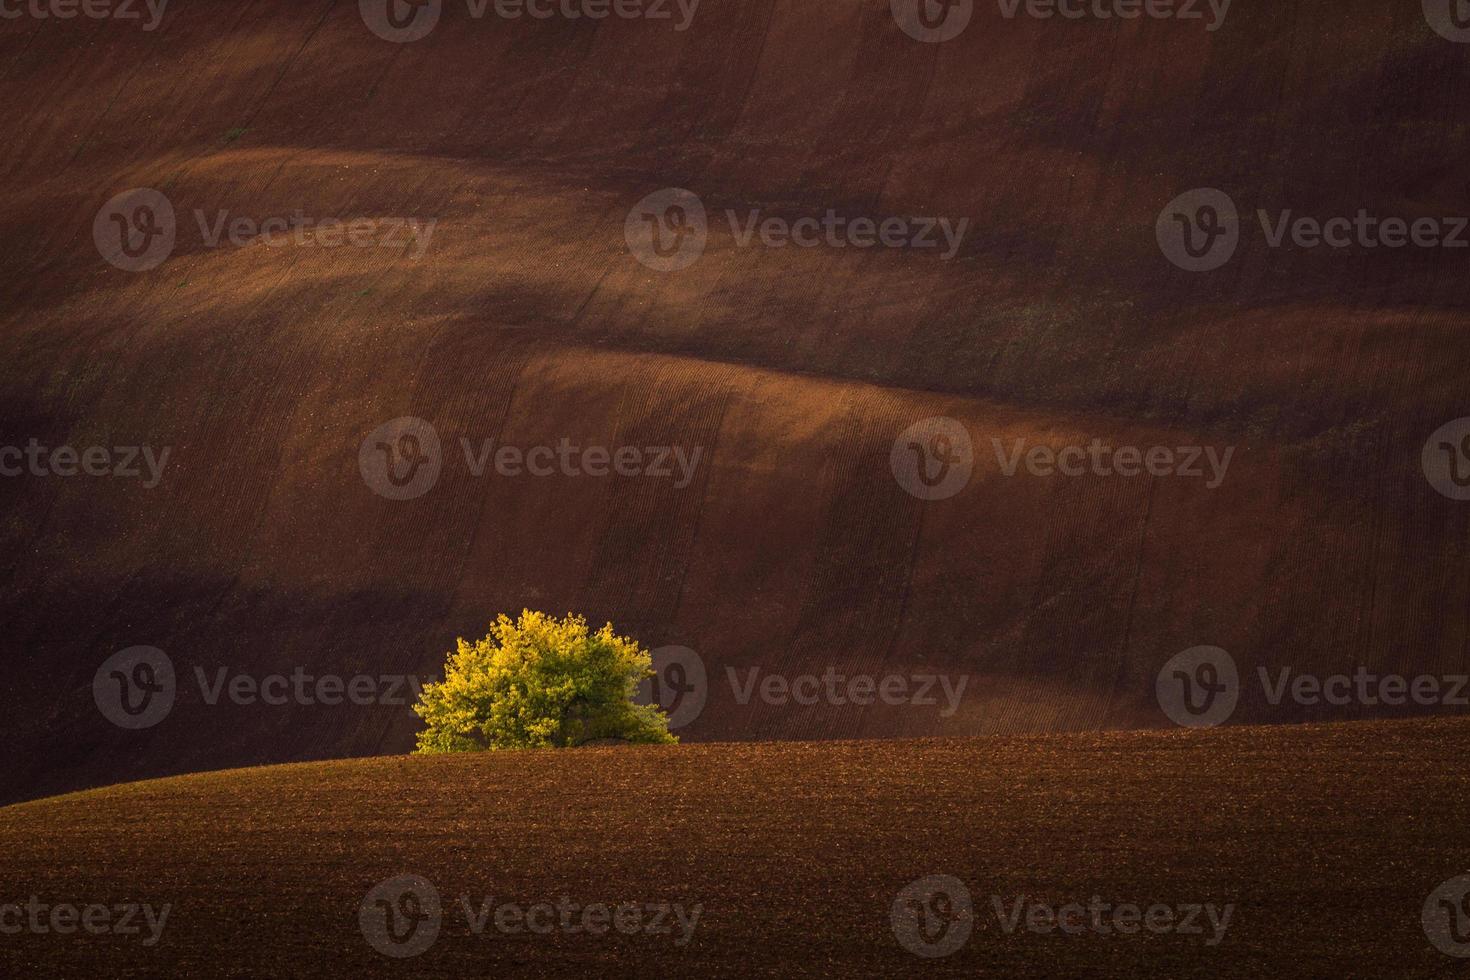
[1325, 841]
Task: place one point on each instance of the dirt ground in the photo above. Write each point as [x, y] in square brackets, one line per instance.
[1324, 843]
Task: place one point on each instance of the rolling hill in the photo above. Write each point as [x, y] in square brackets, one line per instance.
[1299, 851]
[265, 367]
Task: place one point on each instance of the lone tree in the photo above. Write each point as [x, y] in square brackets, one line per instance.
[540, 682]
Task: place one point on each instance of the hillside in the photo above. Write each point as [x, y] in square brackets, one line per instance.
[1323, 842]
[265, 369]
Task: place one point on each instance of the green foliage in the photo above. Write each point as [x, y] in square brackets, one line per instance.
[540, 682]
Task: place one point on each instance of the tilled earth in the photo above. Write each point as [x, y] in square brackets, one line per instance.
[1293, 851]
